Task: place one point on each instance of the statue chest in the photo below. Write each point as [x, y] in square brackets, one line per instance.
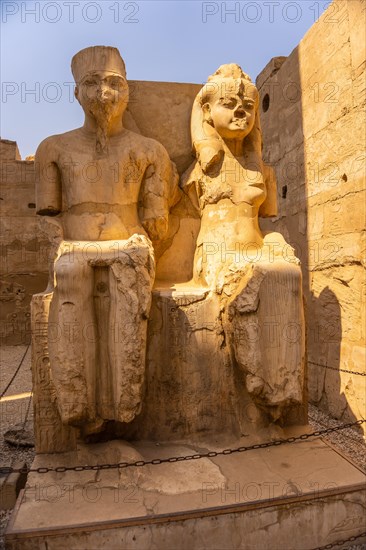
[234, 182]
[113, 179]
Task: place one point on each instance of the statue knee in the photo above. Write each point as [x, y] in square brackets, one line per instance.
[73, 277]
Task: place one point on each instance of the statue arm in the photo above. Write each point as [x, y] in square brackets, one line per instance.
[48, 180]
[159, 193]
[190, 185]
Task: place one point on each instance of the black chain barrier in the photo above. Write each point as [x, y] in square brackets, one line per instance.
[338, 370]
[197, 456]
[340, 542]
[358, 441]
[15, 373]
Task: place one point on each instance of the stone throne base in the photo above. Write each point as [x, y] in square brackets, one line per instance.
[296, 496]
[193, 391]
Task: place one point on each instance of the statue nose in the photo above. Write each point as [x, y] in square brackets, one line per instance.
[239, 112]
[103, 92]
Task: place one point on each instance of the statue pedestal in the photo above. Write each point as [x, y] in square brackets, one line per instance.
[193, 391]
[294, 496]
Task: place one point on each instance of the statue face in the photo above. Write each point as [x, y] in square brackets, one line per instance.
[232, 114]
[102, 93]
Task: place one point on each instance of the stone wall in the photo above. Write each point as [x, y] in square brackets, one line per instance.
[313, 124]
[23, 249]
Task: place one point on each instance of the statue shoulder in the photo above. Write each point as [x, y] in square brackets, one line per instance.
[46, 145]
[148, 145]
[51, 145]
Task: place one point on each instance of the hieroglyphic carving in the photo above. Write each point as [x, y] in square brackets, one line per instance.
[51, 435]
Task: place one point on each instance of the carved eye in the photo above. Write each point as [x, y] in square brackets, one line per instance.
[229, 103]
[113, 82]
[248, 105]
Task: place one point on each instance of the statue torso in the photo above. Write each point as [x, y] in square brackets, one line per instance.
[229, 203]
[100, 194]
[233, 182]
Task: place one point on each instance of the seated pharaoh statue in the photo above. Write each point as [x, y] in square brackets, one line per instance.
[255, 276]
[109, 191]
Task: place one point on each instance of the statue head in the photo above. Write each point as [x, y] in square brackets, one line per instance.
[226, 108]
[101, 85]
[229, 102]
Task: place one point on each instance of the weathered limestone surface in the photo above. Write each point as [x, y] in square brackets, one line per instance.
[204, 374]
[259, 290]
[156, 108]
[317, 98]
[270, 346]
[104, 265]
[109, 385]
[49, 431]
[24, 250]
[296, 496]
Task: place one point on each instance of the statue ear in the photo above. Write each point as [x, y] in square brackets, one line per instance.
[206, 110]
[76, 93]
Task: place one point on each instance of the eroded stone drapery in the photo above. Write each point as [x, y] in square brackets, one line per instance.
[256, 276]
[109, 191]
[115, 290]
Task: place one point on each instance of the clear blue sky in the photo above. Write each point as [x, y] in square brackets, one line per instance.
[178, 41]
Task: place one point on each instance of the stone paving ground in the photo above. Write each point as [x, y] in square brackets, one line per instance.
[13, 409]
[15, 404]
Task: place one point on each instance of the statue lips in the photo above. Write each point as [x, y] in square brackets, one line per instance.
[239, 121]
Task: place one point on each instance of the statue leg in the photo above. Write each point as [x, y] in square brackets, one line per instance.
[71, 345]
[265, 328]
[131, 277]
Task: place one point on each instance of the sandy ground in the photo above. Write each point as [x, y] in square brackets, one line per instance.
[14, 410]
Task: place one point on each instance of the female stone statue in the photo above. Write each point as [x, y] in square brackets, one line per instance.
[256, 276]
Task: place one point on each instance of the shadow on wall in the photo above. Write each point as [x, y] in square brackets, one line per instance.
[325, 339]
[311, 141]
[281, 119]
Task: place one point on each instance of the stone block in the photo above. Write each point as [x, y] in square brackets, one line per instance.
[20, 173]
[356, 17]
[11, 485]
[265, 498]
[324, 209]
[9, 150]
[148, 100]
[272, 67]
